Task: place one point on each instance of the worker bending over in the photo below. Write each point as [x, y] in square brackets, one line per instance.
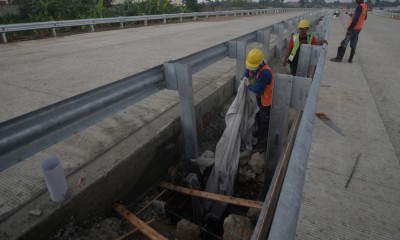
[259, 79]
[296, 40]
[354, 27]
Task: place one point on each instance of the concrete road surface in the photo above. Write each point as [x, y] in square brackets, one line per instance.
[352, 187]
[37, 73]
[379, 56]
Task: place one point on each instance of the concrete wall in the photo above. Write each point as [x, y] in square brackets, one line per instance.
[140, 160]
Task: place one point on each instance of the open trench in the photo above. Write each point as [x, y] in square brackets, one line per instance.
[171, 213]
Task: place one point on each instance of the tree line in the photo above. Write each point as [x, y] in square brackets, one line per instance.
[47, 10]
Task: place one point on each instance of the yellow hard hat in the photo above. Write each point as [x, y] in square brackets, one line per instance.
[254, 59]
[304, 23]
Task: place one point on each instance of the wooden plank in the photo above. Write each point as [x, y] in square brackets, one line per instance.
[150, 202]
[212, 196]
[139, 224]
[132, 231]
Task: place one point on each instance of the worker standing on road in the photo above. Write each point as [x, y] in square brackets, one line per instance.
[294, 45]
[259, 78]
[354, 27]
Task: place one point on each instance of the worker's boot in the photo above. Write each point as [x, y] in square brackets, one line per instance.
[339, 55]
[353, 51]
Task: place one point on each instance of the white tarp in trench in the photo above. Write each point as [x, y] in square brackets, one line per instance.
[239, 120]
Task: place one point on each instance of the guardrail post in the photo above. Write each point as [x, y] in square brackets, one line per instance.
[278, 30]
[4, 37]
[54, 33]
[237, 50]
[300, 88]
[91, 28]
[170, 76]
[188, 115]
[264, 37]
[121, 22]
[165, 20]
[290, 28]
[181, 19]
[278, 123]
[195, 18]
[304, 60]
[145, 22]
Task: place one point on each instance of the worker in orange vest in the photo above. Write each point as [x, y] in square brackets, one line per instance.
[354, 27]
[259, 79]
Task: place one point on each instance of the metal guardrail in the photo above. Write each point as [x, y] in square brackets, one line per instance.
[286, 214]
[53, 25]
[394, 15]
[28, 134]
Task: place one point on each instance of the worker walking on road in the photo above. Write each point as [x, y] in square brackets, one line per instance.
[259, 79]
[296, 40]
[354, 27]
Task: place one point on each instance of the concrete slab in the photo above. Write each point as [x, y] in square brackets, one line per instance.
[339, 202]
[66, 66]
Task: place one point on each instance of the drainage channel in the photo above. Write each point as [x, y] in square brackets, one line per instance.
[172, 210]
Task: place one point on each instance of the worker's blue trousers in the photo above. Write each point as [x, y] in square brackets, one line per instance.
[263, 122]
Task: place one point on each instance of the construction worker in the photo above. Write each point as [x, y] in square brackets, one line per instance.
[292, 55]
[259, 79]
[296, 40]
[354, 27]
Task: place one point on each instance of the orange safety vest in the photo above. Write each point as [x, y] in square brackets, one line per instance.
[361, 19]
[266, 96]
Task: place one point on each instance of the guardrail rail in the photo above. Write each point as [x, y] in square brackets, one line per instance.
[54, 25]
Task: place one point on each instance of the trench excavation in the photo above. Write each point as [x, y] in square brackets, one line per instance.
[170, 209]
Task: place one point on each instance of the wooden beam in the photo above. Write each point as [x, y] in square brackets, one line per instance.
[132, 231]
[139, 224]
[150, 202]
[212, 196]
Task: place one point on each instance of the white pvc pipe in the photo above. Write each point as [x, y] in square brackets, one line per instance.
[55, 179]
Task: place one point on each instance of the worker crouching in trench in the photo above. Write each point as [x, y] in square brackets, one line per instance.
[259, 79]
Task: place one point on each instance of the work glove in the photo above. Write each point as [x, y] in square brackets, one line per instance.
[246, 81]
[348, 33]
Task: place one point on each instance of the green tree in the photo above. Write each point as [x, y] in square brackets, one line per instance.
[303, 3]
[265, 3]
[43, 10]
[191, 5]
